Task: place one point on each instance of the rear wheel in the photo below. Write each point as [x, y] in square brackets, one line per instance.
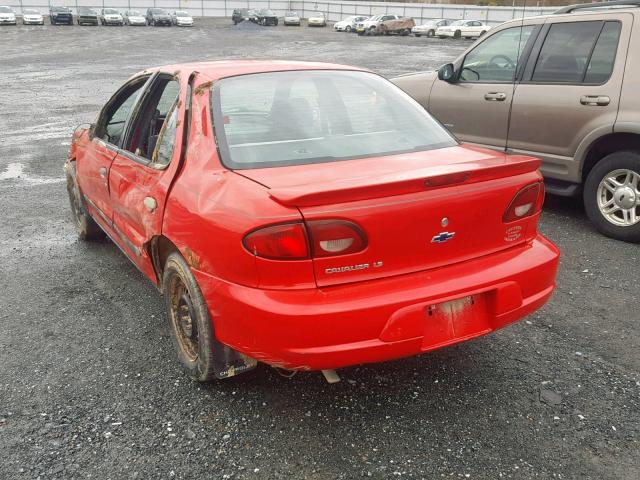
[612, 196]
[189, 321]
[347, 29]
[86, 227]
[431, 33]
[457, 34]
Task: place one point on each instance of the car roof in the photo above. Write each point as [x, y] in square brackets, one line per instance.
[216, 70]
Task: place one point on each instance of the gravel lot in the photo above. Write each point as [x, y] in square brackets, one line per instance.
[89, 387]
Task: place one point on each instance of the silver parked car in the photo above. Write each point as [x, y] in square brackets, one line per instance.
[181, 18]
[134, 18]
[111, 16]
[31, 16]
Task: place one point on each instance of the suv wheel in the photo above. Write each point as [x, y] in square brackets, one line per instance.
[612, 196]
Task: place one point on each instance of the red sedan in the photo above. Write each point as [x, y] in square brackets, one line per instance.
[307, 215]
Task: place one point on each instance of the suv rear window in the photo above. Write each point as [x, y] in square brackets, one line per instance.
[301, 117]
[570, 53]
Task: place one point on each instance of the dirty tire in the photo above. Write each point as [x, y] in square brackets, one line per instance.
[615, 161]
[457, 34]
[86, 227]
[189, 321]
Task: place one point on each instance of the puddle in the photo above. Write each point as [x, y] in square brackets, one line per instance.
[15, 171]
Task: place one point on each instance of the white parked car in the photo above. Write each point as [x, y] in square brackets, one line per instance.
[428, 28]
[348, 24]
[463, 28]
[134, 18]
[317, 19]
[32, 17]
[110, 16]
[181, 18]
[291, 18]
[7, 17]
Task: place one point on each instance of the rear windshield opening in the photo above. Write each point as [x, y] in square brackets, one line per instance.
[301, 117]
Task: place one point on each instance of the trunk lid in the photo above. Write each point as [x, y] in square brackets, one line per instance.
[419, 210]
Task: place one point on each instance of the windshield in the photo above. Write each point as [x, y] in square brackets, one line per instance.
[133, 13]
[300, 117]
[59, 9]
[182, 14]
[110, 11]
[158, 11]
[86, 10]
[266, 12]
[291, 14]
[28, 11]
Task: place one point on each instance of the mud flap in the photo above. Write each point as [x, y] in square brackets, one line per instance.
[228, 362]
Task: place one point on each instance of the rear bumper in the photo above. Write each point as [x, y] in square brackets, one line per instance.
[382, 319]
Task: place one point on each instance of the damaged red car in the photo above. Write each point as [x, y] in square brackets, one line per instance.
[306, 215]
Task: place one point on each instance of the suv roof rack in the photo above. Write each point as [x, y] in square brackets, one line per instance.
[599, 5]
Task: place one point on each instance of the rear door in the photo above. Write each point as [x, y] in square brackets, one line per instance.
[94, 161]
[476, 107]
[570, 90]
[143, 170]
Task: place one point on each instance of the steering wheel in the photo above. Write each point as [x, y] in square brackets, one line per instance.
[508, 62]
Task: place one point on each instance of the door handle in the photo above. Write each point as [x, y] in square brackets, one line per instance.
[595, 100]
[495, 96]
[103, 172]
[150, 203]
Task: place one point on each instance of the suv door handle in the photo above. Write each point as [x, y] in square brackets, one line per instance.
[495, 96]
[595, 100]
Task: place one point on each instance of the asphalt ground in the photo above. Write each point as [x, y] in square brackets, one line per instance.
[89, 383]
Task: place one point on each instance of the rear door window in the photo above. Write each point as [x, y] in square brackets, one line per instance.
[568, 48]
[604, 54]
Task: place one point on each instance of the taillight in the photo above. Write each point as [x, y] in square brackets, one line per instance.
[279, 242]
[298, 241]
[528, 201]
[335, 237]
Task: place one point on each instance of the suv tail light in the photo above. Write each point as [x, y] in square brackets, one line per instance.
[335, 237]
[528, 201]
[299, 241]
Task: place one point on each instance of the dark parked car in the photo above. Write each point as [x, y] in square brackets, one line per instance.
[158, 16]
[267, 17]
[60, 16]
[244, 14]
[87, 16]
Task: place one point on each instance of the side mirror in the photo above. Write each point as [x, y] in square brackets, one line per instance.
[447, 73]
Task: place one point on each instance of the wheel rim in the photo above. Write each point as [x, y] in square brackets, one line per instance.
[619, 197]
[183, 318]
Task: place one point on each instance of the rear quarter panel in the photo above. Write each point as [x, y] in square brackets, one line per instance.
[211, 209]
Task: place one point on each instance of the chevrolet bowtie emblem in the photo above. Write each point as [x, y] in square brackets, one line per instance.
[443, 237]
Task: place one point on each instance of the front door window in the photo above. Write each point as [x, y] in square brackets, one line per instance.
[495, 59]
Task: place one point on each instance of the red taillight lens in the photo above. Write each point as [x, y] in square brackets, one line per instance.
[335, 237]
[279, 242]
[527, 202]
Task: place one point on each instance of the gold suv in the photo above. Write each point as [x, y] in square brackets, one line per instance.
[561, 87]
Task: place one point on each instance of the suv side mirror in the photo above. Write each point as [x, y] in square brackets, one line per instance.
[447, 73]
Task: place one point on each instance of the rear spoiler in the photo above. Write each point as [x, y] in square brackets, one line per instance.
[414, 181]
